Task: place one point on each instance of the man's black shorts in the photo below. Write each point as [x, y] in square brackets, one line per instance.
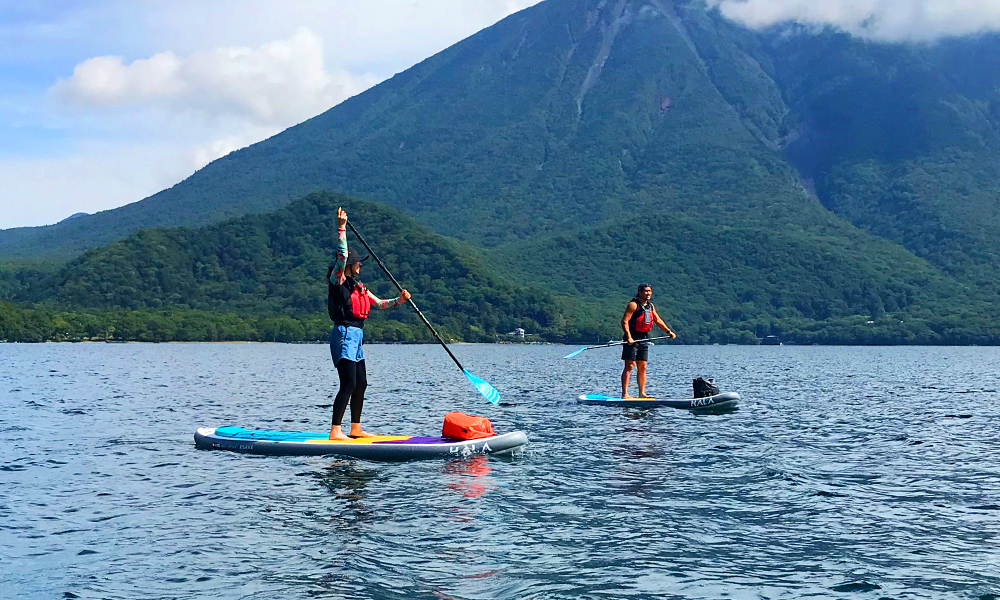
[637, 351]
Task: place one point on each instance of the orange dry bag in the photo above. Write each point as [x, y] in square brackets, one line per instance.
[460, 426]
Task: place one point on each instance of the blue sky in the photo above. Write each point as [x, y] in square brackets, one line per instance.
[103, 103]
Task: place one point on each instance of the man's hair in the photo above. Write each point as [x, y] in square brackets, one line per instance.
[642, 287]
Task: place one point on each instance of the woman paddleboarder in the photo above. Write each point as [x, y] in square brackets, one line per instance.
[349, 303]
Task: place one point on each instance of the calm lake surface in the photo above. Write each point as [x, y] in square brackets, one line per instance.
[844, 473]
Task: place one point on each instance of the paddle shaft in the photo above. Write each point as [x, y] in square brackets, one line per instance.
[419, 314]
[664, 337]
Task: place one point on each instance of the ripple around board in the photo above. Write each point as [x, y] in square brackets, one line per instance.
[845, 472]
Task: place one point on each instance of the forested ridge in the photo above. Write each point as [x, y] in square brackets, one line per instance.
[274, 265]
[262, 278]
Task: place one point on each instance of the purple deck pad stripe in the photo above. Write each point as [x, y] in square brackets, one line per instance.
[419, 440]
[431, 440]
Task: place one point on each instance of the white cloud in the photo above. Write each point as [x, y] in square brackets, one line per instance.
[218, 148]
[278, 84]
[881, 20]
[236, 95]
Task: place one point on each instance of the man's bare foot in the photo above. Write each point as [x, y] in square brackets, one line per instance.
[357, 432]
[625, 396]
[337, 433]
[643, 395]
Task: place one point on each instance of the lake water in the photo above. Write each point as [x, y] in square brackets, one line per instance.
[844, 473]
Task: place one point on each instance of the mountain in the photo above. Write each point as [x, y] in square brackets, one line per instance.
[757, 179]
[561, 114]
[569, 107]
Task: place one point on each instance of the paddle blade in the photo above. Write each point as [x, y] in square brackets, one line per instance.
[575, 352]
[483, 387]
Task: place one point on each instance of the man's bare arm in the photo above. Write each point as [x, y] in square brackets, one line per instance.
[629, 309]
[663, 325]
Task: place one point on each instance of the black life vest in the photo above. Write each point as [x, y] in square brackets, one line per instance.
[642, 319]
[348, 303]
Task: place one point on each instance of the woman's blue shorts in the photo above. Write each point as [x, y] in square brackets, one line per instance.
[345, 342]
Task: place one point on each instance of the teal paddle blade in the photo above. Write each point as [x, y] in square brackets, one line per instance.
[575, 352]
[483, 387]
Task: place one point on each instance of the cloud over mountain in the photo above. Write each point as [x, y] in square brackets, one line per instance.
[277, 84]
[881, 20]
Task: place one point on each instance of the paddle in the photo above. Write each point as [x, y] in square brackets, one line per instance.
[577, 352]
[483, 387]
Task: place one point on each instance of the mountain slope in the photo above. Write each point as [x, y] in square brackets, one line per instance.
[563, 114]
[903, 141]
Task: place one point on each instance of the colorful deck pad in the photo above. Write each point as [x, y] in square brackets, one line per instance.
[381, 447]
[724, 400]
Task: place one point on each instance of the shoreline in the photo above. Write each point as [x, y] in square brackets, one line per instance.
[567, 344]
[318, 342]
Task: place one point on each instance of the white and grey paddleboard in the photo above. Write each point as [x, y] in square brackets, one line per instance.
[724, 400]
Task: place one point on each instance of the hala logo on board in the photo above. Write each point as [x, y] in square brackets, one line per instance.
[470, 449]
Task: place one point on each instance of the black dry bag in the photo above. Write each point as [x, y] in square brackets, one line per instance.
[703, 388]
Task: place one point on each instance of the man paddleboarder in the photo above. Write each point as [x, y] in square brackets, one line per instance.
[637, 322]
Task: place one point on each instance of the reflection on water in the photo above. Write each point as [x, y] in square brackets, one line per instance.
[347, 478]
[845, 472]
[470, 477]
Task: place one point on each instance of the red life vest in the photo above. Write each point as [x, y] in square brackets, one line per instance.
[642, 318]
[348, 303]
[361, 304]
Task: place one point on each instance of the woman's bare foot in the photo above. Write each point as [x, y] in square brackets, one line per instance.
[625, 396]
[337, 433]
[357, 432]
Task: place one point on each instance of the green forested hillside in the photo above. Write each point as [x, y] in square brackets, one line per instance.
[274, 265]
[261, 278]
[738, 284]
[901, 140]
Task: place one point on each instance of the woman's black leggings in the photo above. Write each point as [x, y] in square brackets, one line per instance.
[353, 382]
